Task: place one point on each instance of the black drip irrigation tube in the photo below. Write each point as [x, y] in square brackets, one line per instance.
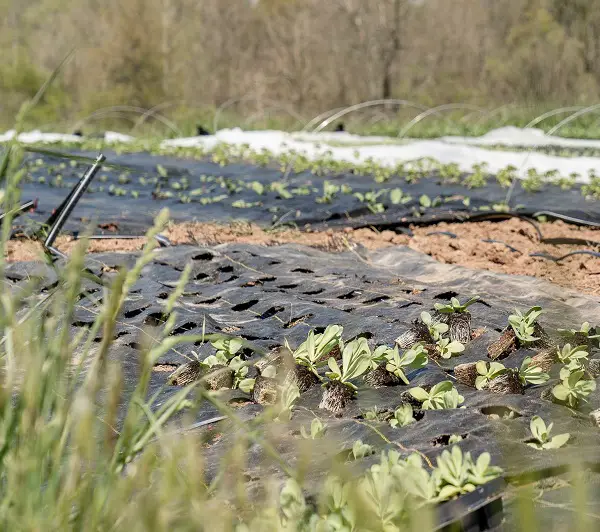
[59, 217]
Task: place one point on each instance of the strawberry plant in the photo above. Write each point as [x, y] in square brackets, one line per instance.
[317, 430]
[573, 357]
[360, 450]
[436, 328]
[397, 197]
[313, 352]
[585, 331]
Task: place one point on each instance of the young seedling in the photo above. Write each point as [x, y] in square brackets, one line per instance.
[414, 358]
[574, 388]
[239, 377]
[486, 372]
[541, 435]
[403, 416]
[455, 306]
[370, 198]
[329, 192]
[573, 357]
[531, 374]
[360, 450]
[448, 349]
[436, 328]
[356, 360]
[480, 471]
[313, 352]
[524, 324]
[227, 347]
[441, 396]
[317, 430]
[457, 474]
[289, 395]
[583, 332]
[397, 197]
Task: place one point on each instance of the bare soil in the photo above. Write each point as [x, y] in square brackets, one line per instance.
[580, 272]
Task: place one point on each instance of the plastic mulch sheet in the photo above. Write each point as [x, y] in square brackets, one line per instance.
[131, 193]
[267, 295]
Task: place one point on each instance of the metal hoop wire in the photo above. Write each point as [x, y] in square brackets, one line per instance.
[100, 113]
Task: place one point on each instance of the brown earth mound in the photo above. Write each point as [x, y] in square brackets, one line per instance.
[580, 272]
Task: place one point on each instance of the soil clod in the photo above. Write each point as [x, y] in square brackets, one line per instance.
[335, 397]
[507, 383]
[466, 373]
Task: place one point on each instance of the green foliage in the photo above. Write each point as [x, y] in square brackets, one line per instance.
[240, 369]
[573, 357]
[585, 330]
[330, 191]
[356, 360]
[426, 202]
[523, 324]
[226, 346]
[458, 474]
[455, 306]
[317, 430]
[289, 395]
[506, 176]
[441, 396]
[436, 328]
[486, 372]
[541, 435]
[370, 198]
[591, 190]
[397, 197]
[478, 178]
[531, 374]
[573, 389]
[533, 181]
[403, 416]
[361, 450]
[413, 358]
[312, 353]
[448, 349]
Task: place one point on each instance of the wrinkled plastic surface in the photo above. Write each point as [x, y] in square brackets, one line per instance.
[267, 295]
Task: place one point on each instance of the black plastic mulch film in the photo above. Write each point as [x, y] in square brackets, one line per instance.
[267, 295]
[131, 192]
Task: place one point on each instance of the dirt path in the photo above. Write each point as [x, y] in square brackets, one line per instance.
[464, 244]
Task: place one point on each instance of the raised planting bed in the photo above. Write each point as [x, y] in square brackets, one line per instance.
[386, 363]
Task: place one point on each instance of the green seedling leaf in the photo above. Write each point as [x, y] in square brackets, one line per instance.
[541, 435]
[403, 416]
[487, 372]
[455, 306]
[360, 450]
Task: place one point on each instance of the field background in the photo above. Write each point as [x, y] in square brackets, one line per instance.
[278, 63]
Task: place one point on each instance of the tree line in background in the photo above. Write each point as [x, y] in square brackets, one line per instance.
[295, 57]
